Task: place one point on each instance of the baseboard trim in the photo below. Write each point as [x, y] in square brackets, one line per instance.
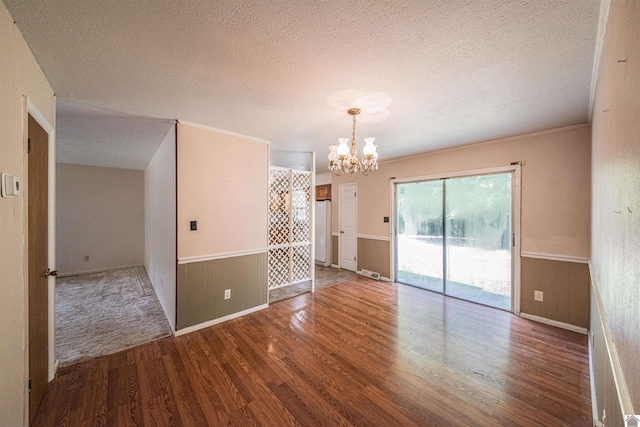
[555, 323]
[68, 274]
[335, 266]
[56, 364]
[220, 320]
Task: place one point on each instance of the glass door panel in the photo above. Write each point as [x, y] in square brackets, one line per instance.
[478, 239]
[419, 234]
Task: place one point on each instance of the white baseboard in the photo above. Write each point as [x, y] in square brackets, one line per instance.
[555, 323]
[220, 320]
[56, 364]
[335, 266]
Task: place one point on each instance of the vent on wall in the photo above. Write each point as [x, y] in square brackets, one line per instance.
[370, 274]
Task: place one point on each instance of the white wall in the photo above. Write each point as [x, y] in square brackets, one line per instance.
[100, 214]
[323, 178]
[19, 75]
[160, 224]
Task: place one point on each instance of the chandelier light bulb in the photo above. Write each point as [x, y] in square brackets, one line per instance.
[333, 153]
[343, 149]
[369, 149]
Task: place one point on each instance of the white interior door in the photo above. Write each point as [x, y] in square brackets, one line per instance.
[348, 226]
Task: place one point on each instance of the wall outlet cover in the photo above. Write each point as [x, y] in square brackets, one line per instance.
[227, 293]
[538, 296]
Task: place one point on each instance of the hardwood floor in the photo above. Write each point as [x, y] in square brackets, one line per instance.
[361, 353]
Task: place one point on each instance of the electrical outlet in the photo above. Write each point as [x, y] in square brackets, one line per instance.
[227, 293]
[538, 296]
[86, 258]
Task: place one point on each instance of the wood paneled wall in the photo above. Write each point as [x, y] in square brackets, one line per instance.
[373, 254]
[603, 379]
[201, 287]
[565, 286]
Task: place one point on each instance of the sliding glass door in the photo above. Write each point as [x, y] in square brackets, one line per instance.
[419, 235]
[454, 236]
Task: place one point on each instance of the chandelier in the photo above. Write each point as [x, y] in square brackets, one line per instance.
[343, 159]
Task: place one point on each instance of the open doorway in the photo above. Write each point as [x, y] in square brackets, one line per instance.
[115, 229]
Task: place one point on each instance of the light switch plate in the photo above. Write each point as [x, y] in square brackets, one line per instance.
[10, 185]
[538, 296]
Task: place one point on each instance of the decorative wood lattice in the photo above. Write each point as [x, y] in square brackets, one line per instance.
[289, 227]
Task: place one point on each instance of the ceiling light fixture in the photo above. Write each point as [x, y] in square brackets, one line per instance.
[343, 159]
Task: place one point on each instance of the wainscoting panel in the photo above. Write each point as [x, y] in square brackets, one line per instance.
[201, 287]
[374, 255]
[335, 259]
[603, 381]
[565, 285]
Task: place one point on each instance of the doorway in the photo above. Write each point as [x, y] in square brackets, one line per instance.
[456, 235]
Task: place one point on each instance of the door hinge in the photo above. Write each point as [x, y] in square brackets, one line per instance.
[28, 145]
[514, 239]
[354, 194]
[354, 258]
[29, 385]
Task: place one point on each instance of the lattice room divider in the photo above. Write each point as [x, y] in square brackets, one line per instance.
[289, 227]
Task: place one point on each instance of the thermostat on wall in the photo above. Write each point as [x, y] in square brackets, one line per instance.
[10, 185]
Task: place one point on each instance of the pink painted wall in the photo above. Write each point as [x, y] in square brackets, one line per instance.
[20, 75]
[222, 184]
[556, 185]
[615, 254]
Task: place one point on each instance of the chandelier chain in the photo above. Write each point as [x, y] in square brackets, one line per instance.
[353, 129]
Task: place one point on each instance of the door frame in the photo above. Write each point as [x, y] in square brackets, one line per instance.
[355, 222]
[29, 108]
[516, 202]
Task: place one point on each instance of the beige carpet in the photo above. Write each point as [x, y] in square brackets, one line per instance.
[325, 276]
[106, 312]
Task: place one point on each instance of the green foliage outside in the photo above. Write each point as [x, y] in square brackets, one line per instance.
[478, 210]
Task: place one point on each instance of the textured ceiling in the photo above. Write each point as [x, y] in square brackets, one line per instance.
[457, 71]
[96, 137]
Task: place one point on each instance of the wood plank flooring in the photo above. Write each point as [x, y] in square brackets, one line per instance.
[360, 353]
